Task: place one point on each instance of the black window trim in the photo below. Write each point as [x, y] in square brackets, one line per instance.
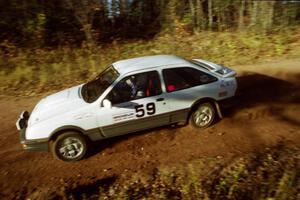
[135, 73]
[164, 81]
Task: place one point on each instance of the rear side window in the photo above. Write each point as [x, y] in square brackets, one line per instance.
[185, 77]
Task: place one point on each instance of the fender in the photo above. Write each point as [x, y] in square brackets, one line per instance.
[211, 100]
[218, 110]
[92, 134]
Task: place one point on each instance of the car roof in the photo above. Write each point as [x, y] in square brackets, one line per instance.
[146, 62]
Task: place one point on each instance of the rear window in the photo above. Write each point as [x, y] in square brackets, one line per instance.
[185, 77]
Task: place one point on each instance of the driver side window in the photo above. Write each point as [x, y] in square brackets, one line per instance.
[136, 86]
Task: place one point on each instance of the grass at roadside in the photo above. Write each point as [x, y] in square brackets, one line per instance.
[271, 174]
[31, 71]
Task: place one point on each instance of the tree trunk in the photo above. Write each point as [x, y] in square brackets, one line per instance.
[123, 7]
[210, 15]
[87, 29]
[241, 15]
[199, 19]
[254, 7]
[268, 12]
[84, 13]
[192, 7]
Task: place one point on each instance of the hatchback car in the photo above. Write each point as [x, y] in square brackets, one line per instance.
[129, 96]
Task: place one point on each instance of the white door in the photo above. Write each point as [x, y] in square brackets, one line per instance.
[137, 104]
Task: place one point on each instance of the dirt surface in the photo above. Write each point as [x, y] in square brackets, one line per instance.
[265, 112]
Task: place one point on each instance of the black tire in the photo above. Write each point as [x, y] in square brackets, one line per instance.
[203, 115]
[69, 146]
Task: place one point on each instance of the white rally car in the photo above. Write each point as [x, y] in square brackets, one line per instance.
[129, 96]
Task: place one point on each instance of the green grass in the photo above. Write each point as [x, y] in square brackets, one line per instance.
[271, 174]
[31, 71]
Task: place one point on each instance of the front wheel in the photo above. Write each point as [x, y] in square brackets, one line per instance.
[69, 146]
[203, 116]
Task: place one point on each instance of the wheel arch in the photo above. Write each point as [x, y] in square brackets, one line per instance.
[63, 129]
[205, 100]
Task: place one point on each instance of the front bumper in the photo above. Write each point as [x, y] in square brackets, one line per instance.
[29, 145]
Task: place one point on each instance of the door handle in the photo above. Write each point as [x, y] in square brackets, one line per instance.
[160, 99]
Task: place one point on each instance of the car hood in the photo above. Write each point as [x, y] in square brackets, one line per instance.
[57, 104]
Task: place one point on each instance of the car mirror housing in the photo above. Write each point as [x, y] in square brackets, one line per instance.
[107, 103]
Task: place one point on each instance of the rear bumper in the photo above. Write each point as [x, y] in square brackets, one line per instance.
[29, 145]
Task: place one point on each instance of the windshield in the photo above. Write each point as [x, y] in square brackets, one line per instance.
[92, 90]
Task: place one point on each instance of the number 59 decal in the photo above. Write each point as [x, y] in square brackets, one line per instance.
[140, 111]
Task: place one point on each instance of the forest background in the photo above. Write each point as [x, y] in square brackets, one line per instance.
[46, 45]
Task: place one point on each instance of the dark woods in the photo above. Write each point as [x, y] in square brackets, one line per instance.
[60, 22]
[53, 23]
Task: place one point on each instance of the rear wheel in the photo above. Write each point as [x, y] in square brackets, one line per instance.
[69, 146]
[203, 116]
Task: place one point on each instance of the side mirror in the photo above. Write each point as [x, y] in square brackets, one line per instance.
[106, 103]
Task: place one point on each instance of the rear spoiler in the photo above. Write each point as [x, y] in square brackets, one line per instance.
[220, 70]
